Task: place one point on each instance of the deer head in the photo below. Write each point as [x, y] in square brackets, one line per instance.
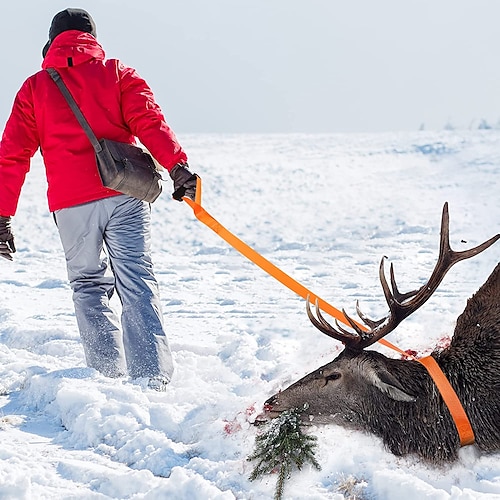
[363, 388]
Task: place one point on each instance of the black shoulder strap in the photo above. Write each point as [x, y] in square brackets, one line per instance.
[74, 107]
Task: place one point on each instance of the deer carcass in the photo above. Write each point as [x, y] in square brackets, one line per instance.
[396, 399]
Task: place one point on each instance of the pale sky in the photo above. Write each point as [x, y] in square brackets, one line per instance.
[287, 65]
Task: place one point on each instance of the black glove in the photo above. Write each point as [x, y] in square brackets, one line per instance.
[184, 182]
[7, 246]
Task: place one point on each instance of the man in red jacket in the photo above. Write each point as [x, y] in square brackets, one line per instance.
[101, 230]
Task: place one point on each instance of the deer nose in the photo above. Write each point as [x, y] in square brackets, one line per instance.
[271, 401]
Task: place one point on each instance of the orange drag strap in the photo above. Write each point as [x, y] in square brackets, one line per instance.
[203, 216]
[449, 396]
[462, 423]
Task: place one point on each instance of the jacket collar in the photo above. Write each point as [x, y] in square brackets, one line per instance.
[71, 48]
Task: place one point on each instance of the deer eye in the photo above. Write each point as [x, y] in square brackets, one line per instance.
[332, 376]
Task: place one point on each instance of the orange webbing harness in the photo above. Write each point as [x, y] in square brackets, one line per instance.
[449, 396]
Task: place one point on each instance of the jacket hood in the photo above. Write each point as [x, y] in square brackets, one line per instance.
[70, 19]
[71, 48]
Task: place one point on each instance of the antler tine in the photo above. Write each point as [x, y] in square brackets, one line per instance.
[323, 326]
[360, 331]
[367, 321]
[326, 329]
[398, 296]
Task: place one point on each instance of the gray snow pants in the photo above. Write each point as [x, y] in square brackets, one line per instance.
[115, 230]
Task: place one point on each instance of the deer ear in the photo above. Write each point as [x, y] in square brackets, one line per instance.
[389, 384]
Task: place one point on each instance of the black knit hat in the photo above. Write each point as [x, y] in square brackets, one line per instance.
[70, 19]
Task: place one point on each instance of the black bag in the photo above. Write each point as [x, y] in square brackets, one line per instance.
[123, 167]
[128, 169]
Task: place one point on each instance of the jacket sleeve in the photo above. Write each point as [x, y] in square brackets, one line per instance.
[19, 143]
[145, 119]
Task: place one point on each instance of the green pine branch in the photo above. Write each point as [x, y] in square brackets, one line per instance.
[282, 448]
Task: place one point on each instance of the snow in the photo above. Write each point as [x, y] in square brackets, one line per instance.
[323, 208]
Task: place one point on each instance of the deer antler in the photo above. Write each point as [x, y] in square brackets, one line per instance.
[401, 305]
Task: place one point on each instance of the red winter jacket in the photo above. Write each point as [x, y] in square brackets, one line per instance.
[117, 103]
